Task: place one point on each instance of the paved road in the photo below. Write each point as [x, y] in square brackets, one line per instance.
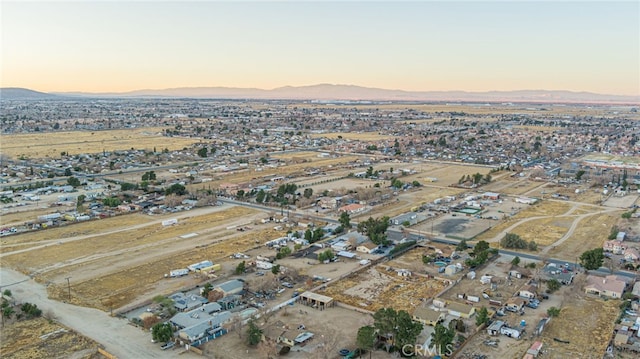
[115, 334]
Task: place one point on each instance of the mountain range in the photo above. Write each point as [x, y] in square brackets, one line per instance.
[330, 92]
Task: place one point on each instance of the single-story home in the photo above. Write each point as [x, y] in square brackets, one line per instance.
[494, 328]
[367, 247]
[231, 287]
[514, 304]
[461, 310]
[428, 316]
[528, 291]
[610, 286]
[631, 255]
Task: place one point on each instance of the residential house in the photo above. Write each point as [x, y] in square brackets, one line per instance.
[615, 247]
[367, 247]
[201, 322]
[461, 310]
[185, 303]
[519, 272]
[428, 316]
[408, 219]
[231, 287]
[353, 208]
[514, 304]
[610, 286]
[528, 291]
[631, 255]
[494, 328]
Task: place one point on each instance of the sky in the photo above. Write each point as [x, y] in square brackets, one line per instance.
[108, 46]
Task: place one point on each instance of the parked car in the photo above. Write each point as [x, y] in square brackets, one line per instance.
[356, 353]
[167, 345]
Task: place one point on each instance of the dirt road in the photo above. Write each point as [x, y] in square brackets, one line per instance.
[116, 335]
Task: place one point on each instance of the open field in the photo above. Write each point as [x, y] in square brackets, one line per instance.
[250, 175]
[590, 233]
[381, 287]
[114, 261]
[361, 136]
[26, 339]
[51, 144]
[544, 231]
[587, 323]
[541, 209]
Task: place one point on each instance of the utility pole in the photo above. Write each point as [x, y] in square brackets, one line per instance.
[69, 287]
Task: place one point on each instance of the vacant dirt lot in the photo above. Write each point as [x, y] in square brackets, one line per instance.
[51, 144]
[590, 233]
[378, 287]
[587, 323]
[115, 261]
[40, 338]
[327, 340]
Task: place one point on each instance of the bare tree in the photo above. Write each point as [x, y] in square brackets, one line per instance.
[268, 348]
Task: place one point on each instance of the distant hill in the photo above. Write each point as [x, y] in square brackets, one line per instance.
[17, 93]
[329, 92]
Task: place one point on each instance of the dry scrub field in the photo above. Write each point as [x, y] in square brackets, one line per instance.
[114, 261]
[360, 136]
[51, 144]
[20, 340]
[590, 233]
[541, 209]
[587, 323]
[377, 288]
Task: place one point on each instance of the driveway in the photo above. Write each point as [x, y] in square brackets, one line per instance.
[115, 334]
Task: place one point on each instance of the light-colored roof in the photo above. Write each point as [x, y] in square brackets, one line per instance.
[460, 307]
[317, 297]
[427, 314]
[609, 283]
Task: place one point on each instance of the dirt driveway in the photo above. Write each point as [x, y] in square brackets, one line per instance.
[116, 335]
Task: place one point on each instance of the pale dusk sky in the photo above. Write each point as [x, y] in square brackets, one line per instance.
[107, 46]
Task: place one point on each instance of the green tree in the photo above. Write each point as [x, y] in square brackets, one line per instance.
[72, 181]
[553, 312]
[7, 313]
[202, 152]
[67, 171]
[176, 189]
[375, 229]
[162, 332]
[416, 184]
[554, 284]
[480, 247]
[384, 320]
[241, 268]
[111, 201]
[407, 330]
[7, 293]
[79, 202]
[208, 287]
[482, 316]
[592, 259]
[254, 334]
[260, 196]
[442, 338]
[579, 175]
[31, 310]
[308, 235]
[308, 192]
[318, 233]
[462, 246]
[275, 269]
[345, 219]
[515, 261]
[366, 338]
